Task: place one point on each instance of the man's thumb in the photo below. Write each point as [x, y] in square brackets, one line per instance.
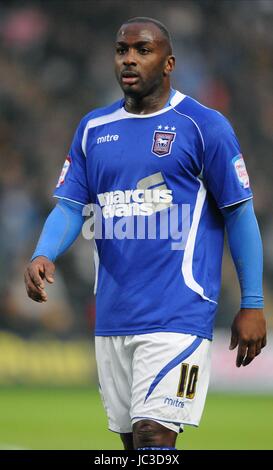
[233, 341]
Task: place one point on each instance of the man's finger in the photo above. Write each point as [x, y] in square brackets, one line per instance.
[38, 297]
[258, 347]
[233, 341]
[251, 353]
[34, 273]
[264, 342]
[30, 286]
[241, 353]
[49, 272]
[33, 292]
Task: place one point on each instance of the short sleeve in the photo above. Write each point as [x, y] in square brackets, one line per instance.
[224, 168]
[72, 183]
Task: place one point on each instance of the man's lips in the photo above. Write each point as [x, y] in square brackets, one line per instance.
[129, 78]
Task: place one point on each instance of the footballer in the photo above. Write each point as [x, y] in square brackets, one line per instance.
[156, 154]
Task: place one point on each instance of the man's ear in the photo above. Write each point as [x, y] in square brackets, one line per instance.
[169, 65]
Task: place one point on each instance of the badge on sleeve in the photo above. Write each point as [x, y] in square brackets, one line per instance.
[64, 171]
[240, 169]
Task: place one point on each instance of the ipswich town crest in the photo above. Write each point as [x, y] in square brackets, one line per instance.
[162, 143]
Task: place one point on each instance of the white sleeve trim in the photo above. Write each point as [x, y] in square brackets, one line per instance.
[71, 200]
[236, 202]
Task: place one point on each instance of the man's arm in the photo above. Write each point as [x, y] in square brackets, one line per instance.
[248, 330]
[61, 229]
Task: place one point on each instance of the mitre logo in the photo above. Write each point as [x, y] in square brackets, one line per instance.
[107, 138]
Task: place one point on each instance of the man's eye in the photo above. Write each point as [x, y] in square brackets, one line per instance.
[144, 51]
[120, 50]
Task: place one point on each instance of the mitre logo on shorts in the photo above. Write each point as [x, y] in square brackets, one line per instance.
[162, 143]
[240, 168]
[64, 171]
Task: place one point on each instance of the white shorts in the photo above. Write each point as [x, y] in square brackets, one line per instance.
[161, 376]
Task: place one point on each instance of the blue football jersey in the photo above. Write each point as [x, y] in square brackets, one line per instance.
[180, 164]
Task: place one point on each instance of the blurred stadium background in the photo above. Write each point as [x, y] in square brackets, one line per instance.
[55, 65]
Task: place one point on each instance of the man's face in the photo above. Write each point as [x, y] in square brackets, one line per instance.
[141, 60]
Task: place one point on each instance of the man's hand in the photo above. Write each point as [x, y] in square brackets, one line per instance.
[248, 332]
[39, 269]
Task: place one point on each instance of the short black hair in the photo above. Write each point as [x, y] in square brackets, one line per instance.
[161, 27]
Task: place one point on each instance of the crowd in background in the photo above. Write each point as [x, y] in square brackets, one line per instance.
[56, 64]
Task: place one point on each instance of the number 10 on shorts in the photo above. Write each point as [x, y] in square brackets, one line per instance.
[188, 380]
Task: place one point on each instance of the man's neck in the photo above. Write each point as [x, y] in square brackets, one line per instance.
[147, 104]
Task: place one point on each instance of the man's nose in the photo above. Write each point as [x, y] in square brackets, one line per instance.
[130, 58]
